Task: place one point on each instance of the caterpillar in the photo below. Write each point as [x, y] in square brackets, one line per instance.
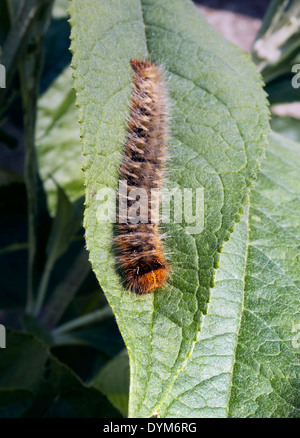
[139, 245]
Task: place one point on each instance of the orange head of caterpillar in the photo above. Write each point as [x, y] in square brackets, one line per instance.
[147, 276]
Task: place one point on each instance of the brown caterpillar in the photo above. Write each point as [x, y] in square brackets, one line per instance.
[139, 245]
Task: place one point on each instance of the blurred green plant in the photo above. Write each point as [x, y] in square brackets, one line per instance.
[276, 50]
[64, 308]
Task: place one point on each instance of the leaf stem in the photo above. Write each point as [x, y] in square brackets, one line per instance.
[66, 290]
[42, 290]
[91, 318]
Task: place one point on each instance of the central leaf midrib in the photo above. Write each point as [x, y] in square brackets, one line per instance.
[247, 213]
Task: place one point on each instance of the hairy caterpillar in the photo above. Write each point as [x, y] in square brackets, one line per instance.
[139, 245]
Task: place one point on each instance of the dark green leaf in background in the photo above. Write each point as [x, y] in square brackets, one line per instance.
[33, 383]
[113, 381]
[15, 402]
[58, 140]
[288, 127]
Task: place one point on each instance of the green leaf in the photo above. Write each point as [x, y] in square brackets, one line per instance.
[57, 130]
[63, 294]
[218, 125]
[113, 381]
[202, 389]
[14, 402]
[78, 403]
[266, 375]
[65, 226]
[27, 367]
[287, 126]
[58, 140]
[57, 42]
[30, 24]
[246, 360]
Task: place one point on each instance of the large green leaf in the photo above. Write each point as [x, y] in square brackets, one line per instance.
[202, 389]
[266, 377]
[219, 120]
[246, 360]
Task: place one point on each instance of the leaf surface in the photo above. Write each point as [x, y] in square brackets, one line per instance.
[246, 360]
[218, 125]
